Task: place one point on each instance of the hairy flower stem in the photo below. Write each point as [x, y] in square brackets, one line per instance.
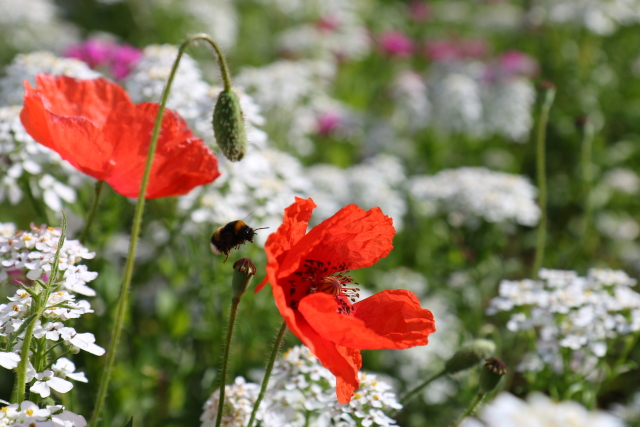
[550, 93]
[225, 358]
[20, 386]
[121, 308]
[417, 389]
[267, 374]
[92, 212]
[474, 404]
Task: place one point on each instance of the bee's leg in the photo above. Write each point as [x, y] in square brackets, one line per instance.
[227, 254]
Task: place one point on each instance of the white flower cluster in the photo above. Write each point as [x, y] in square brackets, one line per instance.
[30, 255]
[412, 109]
[506, 410]
[302, 388]
[302, 392]
[33, 24]
[583, 314]
[377, 181]
[601, 17]
[238, 404]
[465, 100]
[29, 414]
[470, 193]
[293, 94]
[27, 65]
[21, 156]
[334, 28]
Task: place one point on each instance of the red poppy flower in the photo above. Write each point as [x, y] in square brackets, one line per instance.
[94, 126]
[309, 278]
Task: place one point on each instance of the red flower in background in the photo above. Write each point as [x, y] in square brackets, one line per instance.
[308, 273]
[94, 126]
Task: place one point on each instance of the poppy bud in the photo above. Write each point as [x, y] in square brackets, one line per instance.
[228, 126]
[244, 272]
[491, 374]
[469, 356]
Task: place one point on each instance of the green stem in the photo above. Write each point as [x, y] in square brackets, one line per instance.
[225, 359]
[417, 389]
[92, 212]
[21, 381]
[542, 179]
[267, 374]
[470, 409]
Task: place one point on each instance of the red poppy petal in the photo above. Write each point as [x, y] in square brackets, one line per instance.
[351, 237]
[320, 311]
[294, 226]
[90, 99]
[397, 316]
[181, 163]
[345, 387]
[76, 139]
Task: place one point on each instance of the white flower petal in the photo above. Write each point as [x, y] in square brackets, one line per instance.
[42, 388]
[60, 385]
[9, 360]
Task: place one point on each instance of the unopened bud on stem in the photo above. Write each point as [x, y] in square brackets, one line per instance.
[491, 374]
[244, 272]
[228, 126]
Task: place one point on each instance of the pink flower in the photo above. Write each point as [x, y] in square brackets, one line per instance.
[94, 52]
[328, 122]
[118, 60]
[396, 44]
[124, 60]
[515, 63]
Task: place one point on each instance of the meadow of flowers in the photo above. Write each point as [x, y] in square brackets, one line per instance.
[441, 195]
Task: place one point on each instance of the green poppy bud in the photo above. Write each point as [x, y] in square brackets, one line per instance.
[228, 126]
[244, 270]
[491, 374]
[469, 356]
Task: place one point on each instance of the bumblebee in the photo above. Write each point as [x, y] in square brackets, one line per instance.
[231, 236]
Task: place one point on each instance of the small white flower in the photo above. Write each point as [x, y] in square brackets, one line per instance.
[66, 368]
[45, 381]
[83, 341]
[9, 360]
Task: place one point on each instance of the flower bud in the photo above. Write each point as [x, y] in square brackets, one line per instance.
[244, 272]
[491, 374]
[228, 126]
[469, 356]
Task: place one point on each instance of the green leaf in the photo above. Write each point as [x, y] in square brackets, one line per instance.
[130, 423]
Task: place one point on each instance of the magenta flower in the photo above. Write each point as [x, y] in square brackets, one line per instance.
[116, 59]
[328, 122]
[396, 44]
